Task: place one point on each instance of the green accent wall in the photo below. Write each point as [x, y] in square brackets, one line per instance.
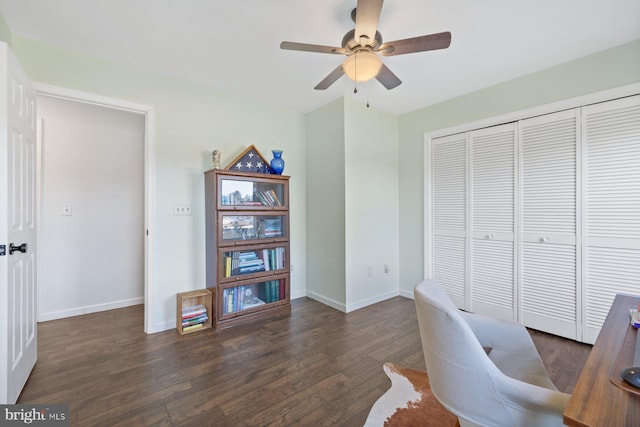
[325, 140]
[191, 120]
[608, 69]
[354, 170]
[352, 204]
[5, 32]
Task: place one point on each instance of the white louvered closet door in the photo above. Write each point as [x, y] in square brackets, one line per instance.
[611, 135]
[491, 275]
[548, 255]
[449, 206]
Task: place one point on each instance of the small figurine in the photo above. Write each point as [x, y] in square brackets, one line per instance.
[215, 158]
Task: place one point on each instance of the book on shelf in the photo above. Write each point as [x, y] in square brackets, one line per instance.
[268, 198]
[193, 311]
[195, 320]
[236, 299]
[272, 227]
[193, 327]
[272, 291]
[243, 263]
[254, 302]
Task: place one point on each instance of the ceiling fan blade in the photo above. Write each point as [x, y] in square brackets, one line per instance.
[305, 47]
[367, 17]
[387, 78]
[416, 44]
[330, 79]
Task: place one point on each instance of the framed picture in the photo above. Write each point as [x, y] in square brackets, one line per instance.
[250, 160]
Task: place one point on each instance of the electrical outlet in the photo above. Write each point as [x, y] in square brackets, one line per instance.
[184, 210]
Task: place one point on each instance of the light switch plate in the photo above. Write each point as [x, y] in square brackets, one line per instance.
[182, 209]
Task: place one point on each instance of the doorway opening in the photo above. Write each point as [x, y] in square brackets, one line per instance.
[108, 239]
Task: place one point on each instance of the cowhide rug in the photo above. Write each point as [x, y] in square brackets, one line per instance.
[409, 402]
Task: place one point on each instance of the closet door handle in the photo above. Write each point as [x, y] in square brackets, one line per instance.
[17, 248]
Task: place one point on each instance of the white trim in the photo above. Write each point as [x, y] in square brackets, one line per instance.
[428, 206]
[581, 231]
[407, 294]
[298, 294]
[61, 314]
[517, 223]
[369, 301]
[468, 227]
[566, 104]
[149, 170]
[162, 326]
[327, 301]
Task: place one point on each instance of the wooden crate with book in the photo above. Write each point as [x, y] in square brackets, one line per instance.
[193, 311]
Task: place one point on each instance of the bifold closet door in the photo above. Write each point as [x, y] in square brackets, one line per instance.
[611, 135]
[491, 276]
[548, 255]
[449, 215]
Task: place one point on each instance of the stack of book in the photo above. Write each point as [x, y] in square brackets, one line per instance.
[272, 291]
[242, 263]
[239, 298]
[272, 227]
[194, 317]
[268, 198]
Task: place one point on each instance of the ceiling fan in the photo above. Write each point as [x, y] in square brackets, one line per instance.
[363, 44]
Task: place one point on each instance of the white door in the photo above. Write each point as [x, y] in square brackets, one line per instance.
[611, 145]
[18, 333]
[448, 253]
[492, 275]
[549, 259]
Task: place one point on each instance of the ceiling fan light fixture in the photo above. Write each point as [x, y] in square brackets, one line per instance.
[362, 65]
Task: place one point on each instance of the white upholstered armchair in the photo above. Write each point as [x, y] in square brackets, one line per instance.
[485, 371]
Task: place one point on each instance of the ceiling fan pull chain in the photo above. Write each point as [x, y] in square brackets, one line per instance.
[355, 70]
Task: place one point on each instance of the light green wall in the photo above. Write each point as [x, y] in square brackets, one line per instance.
[352, 204]
[191, 121]
[321, 152]
[371, 211]
[605, 70]
[325, 204]
[5, 32]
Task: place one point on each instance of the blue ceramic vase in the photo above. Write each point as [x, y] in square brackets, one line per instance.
[277, 164]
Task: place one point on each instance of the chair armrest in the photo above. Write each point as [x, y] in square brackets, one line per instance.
[534, 398]
[498, 334]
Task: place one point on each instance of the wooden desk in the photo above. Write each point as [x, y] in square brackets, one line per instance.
[601, 398]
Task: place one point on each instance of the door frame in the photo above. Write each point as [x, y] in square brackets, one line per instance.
[149, 164]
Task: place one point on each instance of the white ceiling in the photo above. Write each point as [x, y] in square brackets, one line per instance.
[234, 45]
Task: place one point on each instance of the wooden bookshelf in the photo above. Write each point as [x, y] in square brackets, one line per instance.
[247, 241]
[190, 299]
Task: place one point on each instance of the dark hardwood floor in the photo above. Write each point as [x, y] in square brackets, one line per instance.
[316, 367]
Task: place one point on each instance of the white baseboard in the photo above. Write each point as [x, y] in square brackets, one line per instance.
[77, 311]
[406, 294]
[296, 295]
[327, 301]
[162, 326]
[373, 300]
